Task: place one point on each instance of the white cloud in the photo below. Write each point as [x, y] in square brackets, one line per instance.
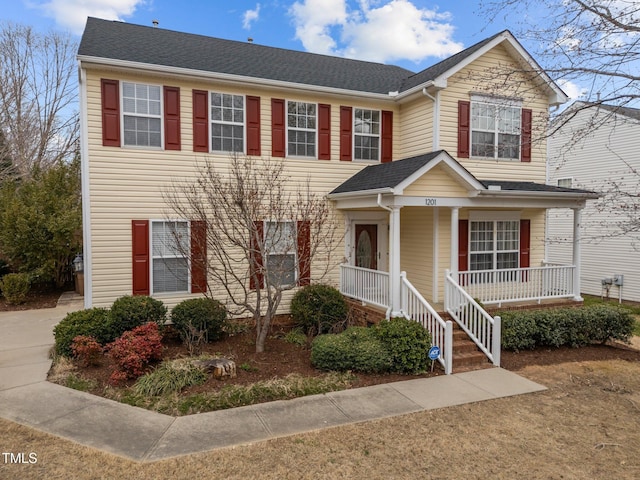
[395, 30]
[250, 16]
[573, 90]
[72, 14]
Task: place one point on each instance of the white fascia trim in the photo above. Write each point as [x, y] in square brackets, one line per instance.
[84, 182]
[233, 79]
[359, 193]
[533, 195]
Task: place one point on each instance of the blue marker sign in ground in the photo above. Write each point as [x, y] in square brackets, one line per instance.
[434, 352]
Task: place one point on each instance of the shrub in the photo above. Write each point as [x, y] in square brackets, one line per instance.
[91, 322]
[407, 342]
[86, 349]
[134, 351]
[296, 337]
[357, 348]
[129, 312]
[199, 320]
[170, 377]
[15, 287]
[319, 309]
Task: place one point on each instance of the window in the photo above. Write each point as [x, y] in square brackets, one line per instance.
[495, 130]
[280, 249]
[494, 245]
[170, 266]
[301, 129]
[366, 131]
[142, 115]
[565, 182]
[227, 122]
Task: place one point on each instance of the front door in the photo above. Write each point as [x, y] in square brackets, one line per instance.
[367, 246]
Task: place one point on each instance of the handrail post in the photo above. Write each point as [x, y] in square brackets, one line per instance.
[448, 347]
[496, 343]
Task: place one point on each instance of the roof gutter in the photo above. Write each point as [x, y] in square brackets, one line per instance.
[231, 78]
[360, 193]
[534, 194]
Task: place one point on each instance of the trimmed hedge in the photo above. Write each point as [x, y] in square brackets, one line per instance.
[199, 315]
[574, 327]
[319, 309]
[407, 342]
[130, 311]
[15, 287]
[92, 322]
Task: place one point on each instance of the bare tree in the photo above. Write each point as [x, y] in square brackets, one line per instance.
[260, 230]
[38, 99]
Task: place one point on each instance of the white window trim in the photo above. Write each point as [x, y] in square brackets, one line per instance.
[501, 102]
[570, 179]
[494, 217]
[293, 252]
[152, 257]
[287, 128]
[244, 122]
[378, 136]
[123, 113]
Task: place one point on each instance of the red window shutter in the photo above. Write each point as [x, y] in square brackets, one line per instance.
[324, 132]
[464, 124]
[253, 126]
[277, 128]
[140, 254]
[525, 243]
[200, 121]
[346, 126]
[387, 137]
[525, 136]
[198, 256]
[304, 252]
[109, 90]
[172, 118]
[463, 245]
[255, 267]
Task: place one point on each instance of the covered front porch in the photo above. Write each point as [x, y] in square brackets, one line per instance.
[423, 237]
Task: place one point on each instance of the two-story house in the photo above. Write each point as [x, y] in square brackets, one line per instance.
[436, 173]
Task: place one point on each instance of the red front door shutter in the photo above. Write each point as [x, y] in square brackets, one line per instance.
[198, 256]
[525, 137]
[525, 243]
[463, 245]
[172, 118]
[140, 254]
[346, 141]
[253, 126]
[109, 92]
[324, 132]
[304, 252]
[278, 128]
[386, 152]
[200, 121]
[464, 123]
[255, 268]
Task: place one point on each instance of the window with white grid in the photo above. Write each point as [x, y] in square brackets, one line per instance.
[301, 129]
[142, 114]
[494, 245]
[495, 130]
[366, 134]
[280, 249]
[170, 266]
[227, 122]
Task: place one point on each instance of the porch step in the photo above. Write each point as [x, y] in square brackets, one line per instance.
[466, 354]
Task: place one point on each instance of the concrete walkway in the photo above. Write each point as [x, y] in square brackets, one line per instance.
[27, 398]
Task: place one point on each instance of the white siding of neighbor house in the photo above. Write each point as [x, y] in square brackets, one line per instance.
[607, 153]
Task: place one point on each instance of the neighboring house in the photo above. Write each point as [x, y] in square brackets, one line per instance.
[598, 150]
[430, 172]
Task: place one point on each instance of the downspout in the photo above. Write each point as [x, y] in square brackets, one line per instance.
[390, 210]
[436, 117]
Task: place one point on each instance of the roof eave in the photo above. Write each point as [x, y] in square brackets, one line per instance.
[359, 193]
[538, 194]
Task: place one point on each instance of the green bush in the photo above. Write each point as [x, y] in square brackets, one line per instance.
[199, 320]
[574, 327]
[15, 287]
[357, 348]
[93, 322]
[407, 342]
[129, 312]
[319, 309]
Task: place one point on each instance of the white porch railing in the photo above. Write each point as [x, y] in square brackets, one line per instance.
[519, 284]
[370, 286]
[415, 307]
[483, 329]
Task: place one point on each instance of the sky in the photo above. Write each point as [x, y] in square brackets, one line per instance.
[413, 34]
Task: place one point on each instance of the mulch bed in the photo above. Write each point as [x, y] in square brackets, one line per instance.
[36, 299]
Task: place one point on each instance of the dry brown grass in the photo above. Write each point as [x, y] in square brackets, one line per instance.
[587, 425]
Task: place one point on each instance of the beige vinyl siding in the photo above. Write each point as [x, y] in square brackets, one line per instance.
[127, 183]
[416, 136]
[416, 247]
[474, 78]
[436, 183]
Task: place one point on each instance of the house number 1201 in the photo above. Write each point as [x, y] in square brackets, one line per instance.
[430, 202]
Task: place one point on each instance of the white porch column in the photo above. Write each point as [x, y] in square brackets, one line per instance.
[454, 242]
[394, 260]
[577, 220]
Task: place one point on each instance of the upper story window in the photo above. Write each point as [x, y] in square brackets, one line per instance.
[142, 114]
[495, 130]
[366, 134]
[301, 129]
[565, 182]
[227, 122]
